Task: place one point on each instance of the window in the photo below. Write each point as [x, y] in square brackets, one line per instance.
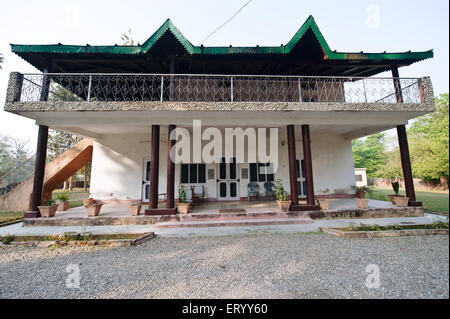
[193, 173]
[261, 172]
[358, 177]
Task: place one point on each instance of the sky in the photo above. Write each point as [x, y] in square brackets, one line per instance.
[347, 25]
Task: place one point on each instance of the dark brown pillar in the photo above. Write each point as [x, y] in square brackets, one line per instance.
[154, 174]
[292, 165]
[41, 156]
[170, 172]
[403, 146]
[406, 165]
[39, 171]
[308, 165]
[154, 168]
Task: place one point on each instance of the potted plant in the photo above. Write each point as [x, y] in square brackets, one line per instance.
[49, 209]
[88, 201]
[397, 199]
[283, 203]
[63, 201]
[183, 205]
[360, 193]
[324, 203]
[135, 209]
[395, 186]
[93, 209]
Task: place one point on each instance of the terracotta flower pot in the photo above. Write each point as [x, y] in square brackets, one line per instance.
[401, 201]
[324, 203]
[93, 209]
[362, 203]
[284, 205]
[88, 201]
[48, 211]
[391, 197]
[135, 209]
[63, 206]
[360, 194]
[184, 208]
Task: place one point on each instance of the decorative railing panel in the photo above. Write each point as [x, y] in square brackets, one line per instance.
[217, 88]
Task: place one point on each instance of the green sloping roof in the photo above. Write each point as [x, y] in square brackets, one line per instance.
[168, 26]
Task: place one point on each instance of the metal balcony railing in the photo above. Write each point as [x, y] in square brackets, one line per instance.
[217, 88]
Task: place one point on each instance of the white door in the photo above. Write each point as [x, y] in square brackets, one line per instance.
[300, 171]
[228, 180]
[146, 181]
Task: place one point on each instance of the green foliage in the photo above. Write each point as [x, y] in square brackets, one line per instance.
[63, 197]
[7, 239]
[280, 191]
[395, 187]
[363, 189]
[429, 142]
[60, 93]
[181, 194]
[393, 167]
[50, 202]
[369, 153]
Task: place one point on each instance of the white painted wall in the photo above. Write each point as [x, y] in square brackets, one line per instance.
[117, 165]
[362, 172]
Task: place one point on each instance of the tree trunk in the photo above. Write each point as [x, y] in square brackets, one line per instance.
[70, 184]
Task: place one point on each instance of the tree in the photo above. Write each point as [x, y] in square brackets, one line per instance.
[1, 60]
[369, 153]
[393, 167]
[429, 142]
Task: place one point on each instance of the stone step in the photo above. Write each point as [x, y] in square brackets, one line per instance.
[90, 221]
[234, 223]
[228, 216]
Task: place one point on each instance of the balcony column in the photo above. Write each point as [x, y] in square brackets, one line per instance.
[154, 177]
[292, 165]
[310, 201]
[41, 156]
[403, 146]
[154, 168]
[39, 172]
[170, 203]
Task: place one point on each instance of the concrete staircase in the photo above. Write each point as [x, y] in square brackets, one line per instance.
[231, 219]
[56, 172]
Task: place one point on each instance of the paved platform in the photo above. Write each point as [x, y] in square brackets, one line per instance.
[118, 214]
[18, 229]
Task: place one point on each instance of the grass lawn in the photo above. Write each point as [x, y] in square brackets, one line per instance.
[431, 201]
[76, 194]
[75, 203]
[6, 217]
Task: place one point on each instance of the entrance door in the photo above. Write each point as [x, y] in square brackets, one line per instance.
[228, 180]
[301, 181]
[146, 181]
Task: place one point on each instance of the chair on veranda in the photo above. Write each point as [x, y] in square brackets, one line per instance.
[189, 193]
[253, 190]
[198, 194]
[270, 191]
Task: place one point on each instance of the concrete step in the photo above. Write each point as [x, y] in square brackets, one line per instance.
[229, 216]
[234, 223]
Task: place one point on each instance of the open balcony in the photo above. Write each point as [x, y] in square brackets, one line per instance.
[57, 87]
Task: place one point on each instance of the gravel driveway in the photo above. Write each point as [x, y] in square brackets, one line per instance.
[248, 266]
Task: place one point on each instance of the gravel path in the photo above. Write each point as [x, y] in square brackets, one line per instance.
[248, 266]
